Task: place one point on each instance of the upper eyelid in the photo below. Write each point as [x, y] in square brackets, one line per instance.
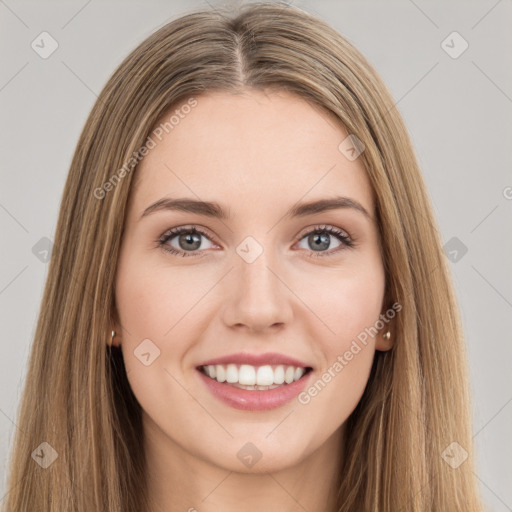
[321, 227]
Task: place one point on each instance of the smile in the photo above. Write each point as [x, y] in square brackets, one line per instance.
[254, 388]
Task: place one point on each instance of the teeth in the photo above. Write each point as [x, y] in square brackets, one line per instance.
[254, 377]
[220, 373]
[231, 373]
[299, 372]
[279, 375]
[264, 377]
[247, 375]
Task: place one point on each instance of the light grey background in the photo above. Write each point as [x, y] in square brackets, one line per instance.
[458, 111]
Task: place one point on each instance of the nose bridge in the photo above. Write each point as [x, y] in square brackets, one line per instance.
[256, 276]
[259, 299]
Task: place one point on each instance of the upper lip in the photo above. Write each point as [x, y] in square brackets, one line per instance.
[270, 358]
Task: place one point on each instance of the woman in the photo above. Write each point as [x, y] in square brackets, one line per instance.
[247, 305]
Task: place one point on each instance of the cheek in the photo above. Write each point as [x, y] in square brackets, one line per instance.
[142, 308]
[152, 299]
[149, 306]
[357, 307]
[347, 302]
[354, 311]
[350, 304]
[161, 315]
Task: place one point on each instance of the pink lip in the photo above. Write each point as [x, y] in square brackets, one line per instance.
[255, 400]
[256, 359]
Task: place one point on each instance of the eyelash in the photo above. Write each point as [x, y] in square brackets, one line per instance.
[338, 233]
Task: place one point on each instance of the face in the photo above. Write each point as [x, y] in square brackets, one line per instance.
[268, 284]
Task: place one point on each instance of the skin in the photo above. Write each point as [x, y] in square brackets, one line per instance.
[257, 154]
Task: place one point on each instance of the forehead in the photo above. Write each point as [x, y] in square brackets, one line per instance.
[252, 150]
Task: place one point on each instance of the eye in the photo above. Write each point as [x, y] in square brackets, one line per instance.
[319, 239]
[188, 241]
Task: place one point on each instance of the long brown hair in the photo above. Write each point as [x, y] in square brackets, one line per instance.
[77, 397]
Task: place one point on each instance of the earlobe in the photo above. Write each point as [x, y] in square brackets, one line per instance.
[114, 334]
[114, 339]
[386, 336]
[384, 340]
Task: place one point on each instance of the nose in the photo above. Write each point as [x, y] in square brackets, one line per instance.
[257, 296]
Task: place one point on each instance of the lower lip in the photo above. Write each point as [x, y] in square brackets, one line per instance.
[248, 400]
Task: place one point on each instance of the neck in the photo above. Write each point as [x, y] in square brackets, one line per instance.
[180, 481]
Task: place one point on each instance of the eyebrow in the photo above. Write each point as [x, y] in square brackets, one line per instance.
[215, 210]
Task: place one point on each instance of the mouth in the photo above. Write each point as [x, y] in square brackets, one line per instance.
[255, 378]
[255, 381]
